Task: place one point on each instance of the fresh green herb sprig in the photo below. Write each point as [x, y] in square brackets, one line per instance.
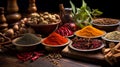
[83, 15]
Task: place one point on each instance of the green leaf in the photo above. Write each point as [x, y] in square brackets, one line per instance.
[83, 4]
[89, 14]
[96, 12]
[73, 7]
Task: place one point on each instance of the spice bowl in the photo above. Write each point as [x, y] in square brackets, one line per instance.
[108, 41]
[43, 23]
[24, 43]
[50, 47]
[112, 37]
[21, 47]
[90, 36]
[89, 32]
[86, 44]
[44, 29]
[106, 24]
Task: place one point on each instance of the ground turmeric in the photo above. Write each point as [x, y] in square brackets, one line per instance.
[89, 31]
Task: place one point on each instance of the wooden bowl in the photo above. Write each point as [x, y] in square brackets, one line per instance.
[24, 47]
[44, 29]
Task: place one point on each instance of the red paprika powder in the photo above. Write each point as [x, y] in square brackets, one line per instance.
[55, 39]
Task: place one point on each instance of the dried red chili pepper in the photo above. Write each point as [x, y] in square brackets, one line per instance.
[24, 56]
[29, 56]
[35, 57]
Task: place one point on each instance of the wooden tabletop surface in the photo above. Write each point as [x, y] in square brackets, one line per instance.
[7, 61]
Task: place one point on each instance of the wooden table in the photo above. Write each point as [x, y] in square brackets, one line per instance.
[10, 60]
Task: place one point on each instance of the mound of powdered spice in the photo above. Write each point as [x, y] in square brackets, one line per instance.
[89, 31]
[28, 38]
[55, 39]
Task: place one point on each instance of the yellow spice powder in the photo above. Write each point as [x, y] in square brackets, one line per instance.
[89, 31]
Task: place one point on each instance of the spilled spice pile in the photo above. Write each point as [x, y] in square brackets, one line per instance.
[28, 38]
[54, 58]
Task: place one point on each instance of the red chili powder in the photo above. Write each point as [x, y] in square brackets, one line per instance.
[55, 39]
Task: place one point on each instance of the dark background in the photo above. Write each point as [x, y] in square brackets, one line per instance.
[110, 8]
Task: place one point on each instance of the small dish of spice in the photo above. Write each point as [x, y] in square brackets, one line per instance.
[90, 32]
[55, 40]
[106, 24]
[86, 44]
[27, 42]
[113, 36]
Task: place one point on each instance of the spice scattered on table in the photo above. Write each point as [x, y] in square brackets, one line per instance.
[54, 58]
[55, 39]
[28, 38]
[89, 31]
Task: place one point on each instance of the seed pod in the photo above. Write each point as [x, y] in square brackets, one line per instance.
[16, 27]
[25, 19]
[57, 16]
[9, 33]
[23, 30]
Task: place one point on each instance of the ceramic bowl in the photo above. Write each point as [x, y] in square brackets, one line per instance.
[49, 47]
[108, 41]
[86, 50]
[24, 47]
[106, 27]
